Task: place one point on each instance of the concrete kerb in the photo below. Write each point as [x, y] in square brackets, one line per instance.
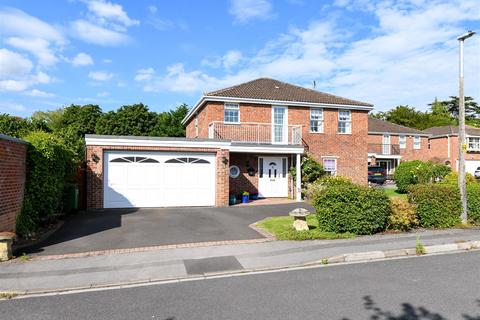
[345, 258]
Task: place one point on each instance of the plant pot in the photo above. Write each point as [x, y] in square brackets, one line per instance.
[232, 199]
[254, 196]
[244, 199]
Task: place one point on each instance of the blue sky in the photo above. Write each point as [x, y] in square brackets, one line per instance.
[163, 53]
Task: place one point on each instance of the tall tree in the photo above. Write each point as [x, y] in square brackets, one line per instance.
[472, 109]
[51, 119]
[82, 119]
[135, 120]
[169, 124]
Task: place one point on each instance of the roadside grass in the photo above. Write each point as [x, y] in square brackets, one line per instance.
[391, 193]
[282, 229]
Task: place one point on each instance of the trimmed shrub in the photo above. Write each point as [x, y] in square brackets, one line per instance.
[47, 162]
[438, 205]
[473, 195]
[413, 172]
[452, 178]
[352, 208]
[327, 181]
[404, 216]
[311, 171]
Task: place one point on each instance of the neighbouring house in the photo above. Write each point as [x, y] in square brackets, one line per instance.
[444, 146]
[242, 138]
[390, 143]
[13, 153]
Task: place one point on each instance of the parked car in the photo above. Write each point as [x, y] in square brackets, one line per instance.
[377, 174]
[477, 173]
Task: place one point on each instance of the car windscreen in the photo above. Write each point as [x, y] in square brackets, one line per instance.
[376, 169]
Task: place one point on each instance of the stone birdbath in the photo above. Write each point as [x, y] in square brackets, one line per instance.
[300, 218]
[6, 239]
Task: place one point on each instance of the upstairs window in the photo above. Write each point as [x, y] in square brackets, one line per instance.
[473, 144]
[402, 142]
[417, 142]
[344, 121]
[316, 120]
[330, 166]
[231, 113]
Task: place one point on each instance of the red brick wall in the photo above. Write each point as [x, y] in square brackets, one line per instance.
[350, 149]
[408, 153]
[439, 150]
[12, 180]
[95, 171]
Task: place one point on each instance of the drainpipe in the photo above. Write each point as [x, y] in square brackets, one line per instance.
[299, 178]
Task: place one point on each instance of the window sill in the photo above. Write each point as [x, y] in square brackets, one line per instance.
[231, 122]
[316, 132]
[344, 133]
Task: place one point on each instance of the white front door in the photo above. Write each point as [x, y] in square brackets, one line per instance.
[273, 177]
[279, 125]
[158, 179]
[386, 144]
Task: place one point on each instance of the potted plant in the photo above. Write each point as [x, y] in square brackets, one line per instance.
[232, 199]
[253, 196]
[245, 196]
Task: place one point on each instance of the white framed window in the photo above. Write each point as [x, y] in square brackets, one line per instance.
[417, 142]
[344, 121]
[234, 171]
[473, 144]
[330, 166]
[316, 120]
[402, 142]
[231, 113]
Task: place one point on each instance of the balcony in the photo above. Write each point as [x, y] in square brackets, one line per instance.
[258, 133]
[384, 149]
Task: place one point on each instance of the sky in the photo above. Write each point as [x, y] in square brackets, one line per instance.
[163, 53]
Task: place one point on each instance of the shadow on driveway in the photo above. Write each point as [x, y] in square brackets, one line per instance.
[131, 228]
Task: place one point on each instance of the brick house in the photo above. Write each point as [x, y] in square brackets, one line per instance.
[390, 143]
[444, 146]
[242, 138]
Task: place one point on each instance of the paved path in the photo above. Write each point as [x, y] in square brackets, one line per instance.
[424, 288]
[179, 263]
[131, 228]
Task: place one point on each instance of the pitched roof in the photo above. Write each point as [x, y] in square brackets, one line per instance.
[382, 126]
[270, 89]
[452, 130]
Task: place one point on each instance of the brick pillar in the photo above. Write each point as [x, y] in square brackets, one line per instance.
[94, 160]
[223, 164]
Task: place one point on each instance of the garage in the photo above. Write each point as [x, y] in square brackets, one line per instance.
[158, 179]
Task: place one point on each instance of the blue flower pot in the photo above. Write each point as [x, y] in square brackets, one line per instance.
[253, 196]
[244, 199]
[232, 199]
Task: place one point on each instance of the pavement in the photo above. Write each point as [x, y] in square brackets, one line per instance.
[435, 287]
[43, 275]
[133, 228]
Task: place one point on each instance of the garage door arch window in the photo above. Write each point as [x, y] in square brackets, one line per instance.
[187, 160]
[134, 159]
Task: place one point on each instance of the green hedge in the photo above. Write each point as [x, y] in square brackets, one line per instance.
[346, 207]
[438, 205]
[47, 163]
[473, 192]
[413, 172]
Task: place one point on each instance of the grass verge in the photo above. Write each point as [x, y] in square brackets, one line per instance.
[391, 193]
[282, 229]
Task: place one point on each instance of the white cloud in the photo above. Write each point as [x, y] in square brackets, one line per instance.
[110, 13]
[145, 74]
[100, 75]
[18, 23]
[39, 94]
[246, 10]
[103, 94]
[9, 106]
[38, 47]
[227, 61]
[152, 9]
[13, 65]
[95, 34]
[82, 59]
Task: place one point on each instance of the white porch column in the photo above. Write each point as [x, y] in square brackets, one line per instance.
[298, 181]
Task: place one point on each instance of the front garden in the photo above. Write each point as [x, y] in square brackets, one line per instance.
[427, 197]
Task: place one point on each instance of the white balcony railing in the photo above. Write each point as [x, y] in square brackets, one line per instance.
[259, 133]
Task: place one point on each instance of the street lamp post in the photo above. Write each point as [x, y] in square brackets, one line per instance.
[461, 132]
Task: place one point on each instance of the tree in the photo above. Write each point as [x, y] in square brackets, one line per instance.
[169, 124]
[14, 126]
[51, 119]
[472, 109]
[135, 120]
[83, 119]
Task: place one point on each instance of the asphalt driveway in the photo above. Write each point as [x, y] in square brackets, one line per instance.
[131, 228]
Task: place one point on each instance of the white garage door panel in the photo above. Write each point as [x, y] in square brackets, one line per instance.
[130, 182]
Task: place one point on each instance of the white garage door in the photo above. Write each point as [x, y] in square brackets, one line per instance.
[158, 179]
[471, 166]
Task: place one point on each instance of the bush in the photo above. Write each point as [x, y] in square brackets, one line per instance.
[404, 216]
[438, 205]
[313, 188]
[311, 171]
[413, 172]
[452, 178]
[14, 126]
[47, 163]
[473, 194]
[347, 207]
